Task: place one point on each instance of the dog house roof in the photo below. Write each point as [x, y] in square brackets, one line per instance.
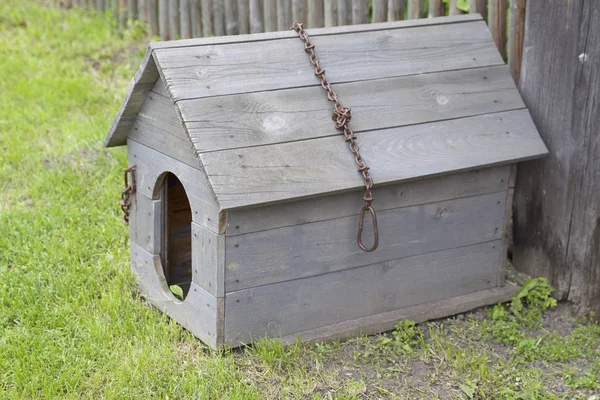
[428, 97]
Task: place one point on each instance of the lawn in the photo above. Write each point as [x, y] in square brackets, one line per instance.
[72, 324]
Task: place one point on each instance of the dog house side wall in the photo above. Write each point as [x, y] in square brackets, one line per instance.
[295, 268]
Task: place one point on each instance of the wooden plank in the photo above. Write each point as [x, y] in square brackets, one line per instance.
[196, 9]
[506, 231]
[243, 16]
[145, 223]
[270, 10]
[231, 23]
[290, 307]
[316, 32]
[163, 19]
[150, 168]
[208, 262]
[160, 89]
[260, 175]
[415, 9]
[100, 5]
[516, 36]
[256, 16]
[122, 14]
[153, 28]
[436, 8]
[453, 9]
[288, 115]
[299, 10]
[132, 11]
[497, 24]
[360, 11]
[218, 18]
[201, 313]
[407, 194]
[142, 12]
[173, 19]
[277, 255]
[478, 7]
[284, 14]
[185, 19]
[203, 72]
[207, 25]
[557, 218]
[316, 14]
[344, 12]
[330, 10]
[379, 11]
[395, 10]
[383, 322]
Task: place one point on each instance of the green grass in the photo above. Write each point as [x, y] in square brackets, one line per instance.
[72, 324]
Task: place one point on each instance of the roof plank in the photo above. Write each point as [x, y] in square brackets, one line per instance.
[302, 169]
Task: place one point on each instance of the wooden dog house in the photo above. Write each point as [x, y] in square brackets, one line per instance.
[248, 198]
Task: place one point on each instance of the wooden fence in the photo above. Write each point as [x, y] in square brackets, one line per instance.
[182, 19]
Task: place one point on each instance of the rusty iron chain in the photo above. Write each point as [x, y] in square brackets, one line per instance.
[342, 116]
[127, 191]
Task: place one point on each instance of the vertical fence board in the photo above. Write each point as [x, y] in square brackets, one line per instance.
[453, 9]
[231, 23]
[436, 8]
[299, 10]
[344, 12]
[515, 37]
[173, 19]
[243, 16]
[330, 7]
[497, 24]
[142, 12]
[163, 19]
[256, 16]
[284, 15]
[206, 9]
[478, 6]
[395, 10]
[360, 11]
[270, 15]
[132, 11]
[185, 19]
[100, 5]
[218, 18]
[315, 9]
[414, 9]
[196, 18]
[153, 17]
[122, 14]
[379, 11]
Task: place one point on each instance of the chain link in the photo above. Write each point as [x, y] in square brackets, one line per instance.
[342, 116]
[128, 190]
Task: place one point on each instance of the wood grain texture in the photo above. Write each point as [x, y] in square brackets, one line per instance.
[506, 231]
[516, 37]
[415, 8]
[185, 19]
[174, 27]
[270, 11]
[192, 73]
[208, 260]
[145, 223]
[231, 23]
[395, 10]
[259, 175]
[239, 121]
[243, 16]
[478, 7]
[383, 322]
[218, 9]
[282, 254]
[330, 10]
[497, 23]
[150, 168]
[436, 8]
[316, 14]
[557, 218]
[284, 14]
[289, 307]
[407, 194]
[207, 22]
[256, 16]
[344, 12]
[196, 9]
[163, 19]
[201, 313]
[379, 11]
[299, 10]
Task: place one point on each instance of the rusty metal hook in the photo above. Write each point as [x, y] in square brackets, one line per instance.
[361, 224]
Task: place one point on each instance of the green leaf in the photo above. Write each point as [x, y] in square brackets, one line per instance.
[463, 5]
[177, 291]
[527, 286]
[467, 389]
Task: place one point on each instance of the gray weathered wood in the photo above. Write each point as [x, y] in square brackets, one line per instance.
[132, 11]
[163, 19]
[399, 52]
[387, 321]
[159, 88]
[299, 10]
[453, 9]
[256, 16]
[497, 23]
[330, 9]
[344, 12]
[153, 18]
[173, 19]
[218, 9]
[142, 12]
[231, 22]
[196, 10]
[208, 260]
[201, 313]
[506, 231]
[243, 16]
[284, 14]
[276, 255]
[395, 10]
[287, 115]
[415, 8]
[258, 175]
[207, 23]
[293, 306]
[379, 11]
[185, 19]
[151, 166]
[436, 8]
[443, 188]
[270, 11]
[315, 12]
[145, 223]
[478, 7]
[516, 35]
[557, 218]
[360, 11]
[122, 14]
